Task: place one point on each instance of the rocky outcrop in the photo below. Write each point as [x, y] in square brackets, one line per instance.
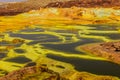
[32, 73]
[108, 50]
[20, 7]
[86, 3]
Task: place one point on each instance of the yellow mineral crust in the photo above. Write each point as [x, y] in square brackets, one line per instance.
[56, 16]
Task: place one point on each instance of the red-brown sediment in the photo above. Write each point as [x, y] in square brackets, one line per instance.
[86, 3]
[25, 6]
[20, 7]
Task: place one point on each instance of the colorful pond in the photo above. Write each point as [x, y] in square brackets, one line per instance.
[58, 42]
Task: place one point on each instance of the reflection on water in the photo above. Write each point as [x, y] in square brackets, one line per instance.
[70, 48]
[93, 66]
[61, 43]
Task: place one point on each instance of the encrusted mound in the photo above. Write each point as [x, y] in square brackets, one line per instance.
[108, 50]
[43, 73]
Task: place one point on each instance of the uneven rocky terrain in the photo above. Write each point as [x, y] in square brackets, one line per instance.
[20, 7]
[108, 50]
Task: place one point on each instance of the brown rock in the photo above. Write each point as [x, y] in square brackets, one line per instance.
[108, 50]
[20, 7]
[32, 73]
[87, 3]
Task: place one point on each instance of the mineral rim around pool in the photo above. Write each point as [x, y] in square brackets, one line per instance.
[108, 50]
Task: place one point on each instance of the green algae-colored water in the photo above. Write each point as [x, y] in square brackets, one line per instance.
[61, 44]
